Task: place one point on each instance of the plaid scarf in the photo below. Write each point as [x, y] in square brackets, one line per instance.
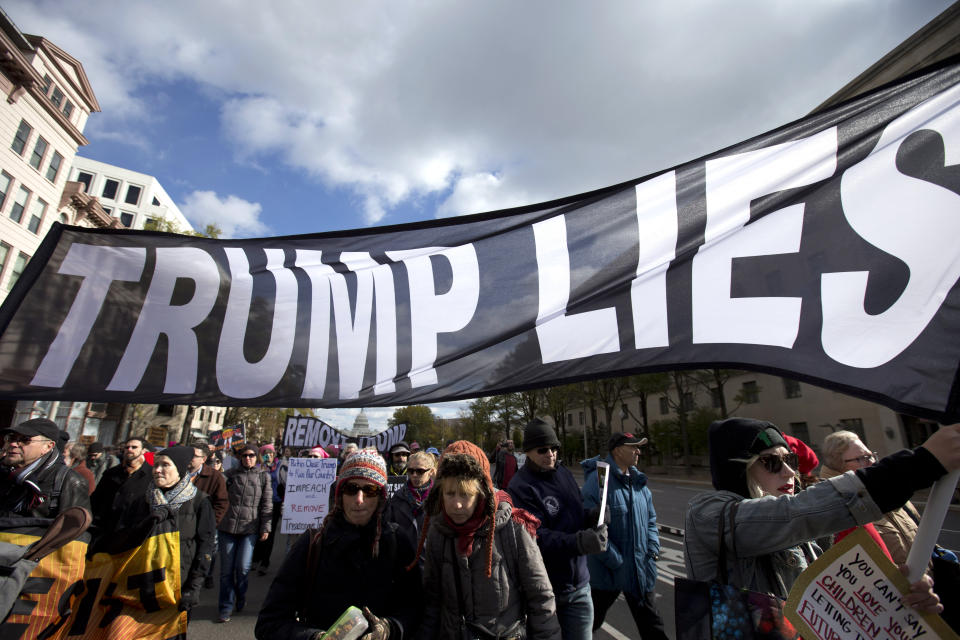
[173, 497]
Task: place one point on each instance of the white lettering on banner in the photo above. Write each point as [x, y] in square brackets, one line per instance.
[158, 316]
[562, 336]
[657, 237]
[364, 266]
[431, 313]
[236, 376]
[99, 267]
[879, 202]
[731, 184]
[318, 352]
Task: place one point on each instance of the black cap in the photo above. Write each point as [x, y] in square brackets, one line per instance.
[400, 447]
[734, 441]
[39, 427]
[621, 439]
[181, 457]
[539, 434]
[95, 447]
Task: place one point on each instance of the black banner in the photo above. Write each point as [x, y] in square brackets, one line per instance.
[826, 250]
[307, 432]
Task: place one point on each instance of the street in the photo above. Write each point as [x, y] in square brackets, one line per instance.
[670, 497]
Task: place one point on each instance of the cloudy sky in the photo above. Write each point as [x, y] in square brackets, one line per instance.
[284, 118]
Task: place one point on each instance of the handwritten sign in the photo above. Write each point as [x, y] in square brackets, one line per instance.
[853, 592]
[306, 501]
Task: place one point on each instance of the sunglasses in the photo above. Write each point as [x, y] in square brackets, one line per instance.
[418, 472]
[352, 489]
[249, 455]
[773, 462]
[545, 450]
[22, 440]
[866, 460]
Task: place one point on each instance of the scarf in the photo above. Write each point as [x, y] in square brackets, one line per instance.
[173, 497]
[419, 494]
[33, 495]
[466, 531]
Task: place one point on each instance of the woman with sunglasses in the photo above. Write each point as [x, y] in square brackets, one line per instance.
[354, 559]
[406, 506]
[754, 470]
[247, 520]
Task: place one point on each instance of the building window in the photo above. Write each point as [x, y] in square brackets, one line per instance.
[19, 204]
[56, 97]
[107, 210]
[156, 202]
[716, 398]
[39, 150]
[569, 419]
[751, 392]
[686, 401]
[855, 425]
[664, 405]
[68, 108]
[791, 388]
[18, 266]
[64, 219]
[86, 179]
[20, 140]
[110, 188]
[36, 215]
[581, 418]
[5, 180]
[47, 81]
[164, 409]
[133, 195]
[55, 161]
[126, 218]
[4, 252]
[799, 430]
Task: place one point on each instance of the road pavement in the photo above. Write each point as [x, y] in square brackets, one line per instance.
[671, 495]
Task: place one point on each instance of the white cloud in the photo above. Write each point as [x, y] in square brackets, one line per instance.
[235, 216]
[479, 105]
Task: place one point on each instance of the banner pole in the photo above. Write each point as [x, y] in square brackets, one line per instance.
[933, 516]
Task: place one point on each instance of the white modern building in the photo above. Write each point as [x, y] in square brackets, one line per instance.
[132, 198]
[48, 101]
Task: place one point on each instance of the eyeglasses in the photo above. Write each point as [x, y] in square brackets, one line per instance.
[249, 455]
[545, 450]
[773, 462]
[865, 460]
[418, 472]
[21, 439]
[352, 489]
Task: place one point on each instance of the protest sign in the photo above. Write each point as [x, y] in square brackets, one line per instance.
[306, 501]
[394, 483]
[603, 478]
[853, 591]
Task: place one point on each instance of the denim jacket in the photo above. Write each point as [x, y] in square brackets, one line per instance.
[772, 545]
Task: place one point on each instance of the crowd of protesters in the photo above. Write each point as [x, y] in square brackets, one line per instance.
[464, 548]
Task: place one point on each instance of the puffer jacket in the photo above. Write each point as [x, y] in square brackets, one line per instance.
[772, 534]
[251, 502]
[630, 562]
[518, 585]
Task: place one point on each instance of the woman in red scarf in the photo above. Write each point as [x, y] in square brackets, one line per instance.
[482, 567]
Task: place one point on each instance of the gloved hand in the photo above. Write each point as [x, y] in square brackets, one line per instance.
[379, 628]
[188, 600]
[590, 541]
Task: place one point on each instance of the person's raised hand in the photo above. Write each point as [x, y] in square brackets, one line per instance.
[944, 444]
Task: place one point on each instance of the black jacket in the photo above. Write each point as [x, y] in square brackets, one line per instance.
[21, 500]
[299, 605]
[117, 492]
[403, 509]
[554, 497]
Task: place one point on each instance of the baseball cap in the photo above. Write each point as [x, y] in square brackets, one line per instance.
[625, 439]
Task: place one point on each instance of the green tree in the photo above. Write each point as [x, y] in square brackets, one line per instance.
[211, 230]
[420, 422]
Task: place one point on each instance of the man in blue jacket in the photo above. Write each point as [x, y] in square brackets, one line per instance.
[629, 565]
[567, 531]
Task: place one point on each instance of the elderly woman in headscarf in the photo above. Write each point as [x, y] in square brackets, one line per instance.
[354, 559]
[768, 530]
[482, 566]
[173, 503]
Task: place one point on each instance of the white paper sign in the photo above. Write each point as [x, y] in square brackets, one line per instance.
[306, 501]
[603, 477]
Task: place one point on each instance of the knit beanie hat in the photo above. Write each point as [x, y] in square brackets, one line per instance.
[268, 447]
[181, 457]
[365, 465]
[734, 441]
[807, 457]
[539, 434]
[95, 447]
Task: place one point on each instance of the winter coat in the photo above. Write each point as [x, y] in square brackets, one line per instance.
[116, 492]
[518, 586]
[402, 509]
[898, 528]
[17, 499]
[554, 498]
[299, 604]
[212, 483]
[773, 534]
[630, 562]
[251, 502]
[278, 480]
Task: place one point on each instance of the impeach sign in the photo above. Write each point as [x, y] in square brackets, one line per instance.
[306, 500]
[853, 591]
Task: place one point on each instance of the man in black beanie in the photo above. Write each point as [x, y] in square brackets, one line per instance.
[567, 531]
